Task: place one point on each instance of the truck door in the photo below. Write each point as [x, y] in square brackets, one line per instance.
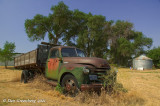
[53, 64]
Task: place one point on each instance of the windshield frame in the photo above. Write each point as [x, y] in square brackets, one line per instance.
[82, 52]
[76, 53]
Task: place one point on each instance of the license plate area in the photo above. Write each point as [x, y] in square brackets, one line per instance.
[93, 77]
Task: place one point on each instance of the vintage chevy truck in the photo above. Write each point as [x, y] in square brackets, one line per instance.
[64, 65]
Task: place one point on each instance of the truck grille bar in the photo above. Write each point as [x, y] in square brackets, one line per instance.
[100, 72]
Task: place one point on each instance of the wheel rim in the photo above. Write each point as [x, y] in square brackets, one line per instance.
[70, 85]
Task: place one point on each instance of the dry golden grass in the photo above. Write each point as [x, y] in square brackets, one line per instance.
[117, 99]
[143, 89]
[146, 83]
[16, 77]
[39, 82]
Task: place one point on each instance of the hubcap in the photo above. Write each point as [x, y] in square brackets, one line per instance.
[70, 85]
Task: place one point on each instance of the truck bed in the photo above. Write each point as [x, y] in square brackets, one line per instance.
[33, 59]
[26, 59]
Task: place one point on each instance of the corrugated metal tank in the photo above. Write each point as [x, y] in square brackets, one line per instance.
[142, 62]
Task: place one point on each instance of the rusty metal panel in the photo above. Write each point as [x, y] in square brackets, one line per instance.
[94, 87]
[43, 52]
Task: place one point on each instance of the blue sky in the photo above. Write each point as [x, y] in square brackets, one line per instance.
[144, 14]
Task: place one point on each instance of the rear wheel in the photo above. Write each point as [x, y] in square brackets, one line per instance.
[30, 75]
[70, 85]
[24, 76]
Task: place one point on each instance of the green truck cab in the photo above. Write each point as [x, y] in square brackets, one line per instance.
[65, 65]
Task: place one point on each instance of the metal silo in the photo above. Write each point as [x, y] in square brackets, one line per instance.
[142, 62]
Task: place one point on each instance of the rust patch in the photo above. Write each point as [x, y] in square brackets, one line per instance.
[97, 62]
[53, 64]
[94, 87]
[70, 68]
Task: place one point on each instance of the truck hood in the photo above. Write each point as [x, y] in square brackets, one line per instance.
[97, 62]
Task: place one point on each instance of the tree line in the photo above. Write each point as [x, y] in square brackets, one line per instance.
[114, 40]
[7, 53]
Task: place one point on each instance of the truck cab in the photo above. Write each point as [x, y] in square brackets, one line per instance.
[73, 70]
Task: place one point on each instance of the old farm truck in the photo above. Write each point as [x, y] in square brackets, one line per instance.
[64, 65]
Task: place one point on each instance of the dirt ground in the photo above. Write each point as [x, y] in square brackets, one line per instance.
[143, 89]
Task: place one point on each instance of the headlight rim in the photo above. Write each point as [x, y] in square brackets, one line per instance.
[86, 70]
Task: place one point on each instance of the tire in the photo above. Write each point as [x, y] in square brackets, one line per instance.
[31, 75]
[70, 85]
[24, 76]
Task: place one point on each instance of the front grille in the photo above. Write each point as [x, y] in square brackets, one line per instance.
[100, 72]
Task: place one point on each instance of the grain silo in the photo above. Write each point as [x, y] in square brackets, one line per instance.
[142, 62]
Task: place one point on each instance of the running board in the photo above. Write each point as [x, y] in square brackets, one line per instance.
[51, 82]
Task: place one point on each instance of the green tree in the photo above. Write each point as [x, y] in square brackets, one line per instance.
[62, 23]
[126, 43]
[120, 46]
[77, 26]
[93, 39]
[141, 43]
[154, 54]
[56, 24]
[7, 53]
[124, 51]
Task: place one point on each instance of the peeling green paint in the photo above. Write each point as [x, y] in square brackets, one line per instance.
[77, 72]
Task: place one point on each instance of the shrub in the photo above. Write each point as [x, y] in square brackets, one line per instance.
[110, 82]
[59, 88]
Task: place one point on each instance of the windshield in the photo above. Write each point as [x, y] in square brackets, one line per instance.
[72, 52]
[80, 53]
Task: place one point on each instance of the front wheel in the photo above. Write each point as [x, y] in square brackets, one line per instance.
[70, 84]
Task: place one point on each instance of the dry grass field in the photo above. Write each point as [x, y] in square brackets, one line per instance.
[145, 83]
[143, 89]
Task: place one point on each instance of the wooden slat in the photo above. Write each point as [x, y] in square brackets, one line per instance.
[26, 59]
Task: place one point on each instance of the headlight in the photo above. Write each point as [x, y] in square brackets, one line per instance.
[85, 70]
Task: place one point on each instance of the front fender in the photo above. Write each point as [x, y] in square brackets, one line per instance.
[75, 70]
